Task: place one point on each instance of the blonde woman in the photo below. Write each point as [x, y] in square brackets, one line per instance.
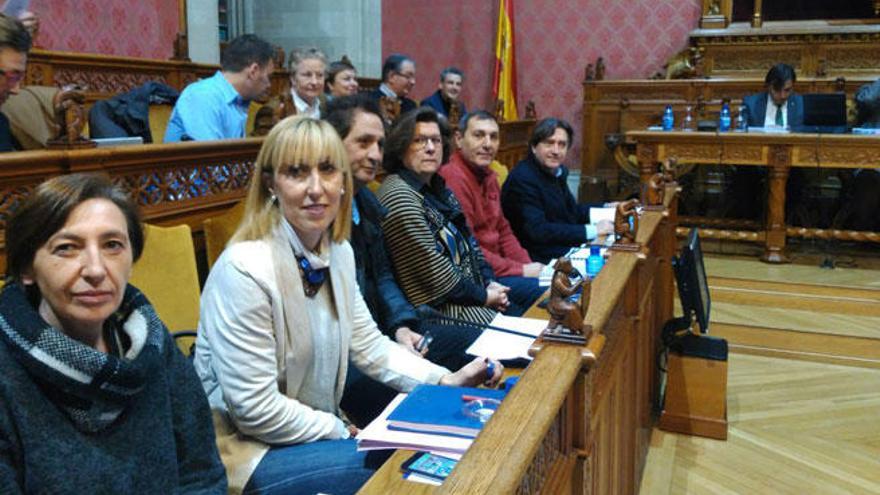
[282, 317]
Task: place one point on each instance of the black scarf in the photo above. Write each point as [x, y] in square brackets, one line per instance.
[92, 387]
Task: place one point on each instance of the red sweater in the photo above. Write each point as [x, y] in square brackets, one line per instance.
[480, 197]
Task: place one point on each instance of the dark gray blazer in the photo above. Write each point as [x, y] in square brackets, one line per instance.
[757, 109]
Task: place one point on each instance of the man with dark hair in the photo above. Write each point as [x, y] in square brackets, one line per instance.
[448, 93]
[778, 105]
[358, 121]
[469, 175]
[398, 79]
[15, 42]
[216, 108]
[536, 200]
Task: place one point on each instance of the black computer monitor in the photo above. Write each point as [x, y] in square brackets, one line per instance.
[690, 276]
[824, 112]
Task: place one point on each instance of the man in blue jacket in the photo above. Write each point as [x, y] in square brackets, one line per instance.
[778, 105]
[448, 93]
[536, 200]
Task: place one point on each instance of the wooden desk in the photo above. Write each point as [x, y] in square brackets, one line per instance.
[579, 419]
[779, 153]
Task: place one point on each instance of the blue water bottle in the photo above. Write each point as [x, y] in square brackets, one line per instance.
[668, 119]
[595, 261]
[724, 119]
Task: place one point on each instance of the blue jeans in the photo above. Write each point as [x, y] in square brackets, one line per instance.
[329, 466]
[524, 291]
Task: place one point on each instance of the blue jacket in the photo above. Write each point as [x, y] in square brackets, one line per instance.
[436, 102]
[757, 108]
[389, 307]
[543, 213]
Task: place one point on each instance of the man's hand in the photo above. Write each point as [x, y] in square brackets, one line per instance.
[533, 269]
[604, 227]
[409, 340]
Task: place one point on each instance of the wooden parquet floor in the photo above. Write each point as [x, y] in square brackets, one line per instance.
[795, 427]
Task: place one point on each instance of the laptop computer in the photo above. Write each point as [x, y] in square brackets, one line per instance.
[824, 113]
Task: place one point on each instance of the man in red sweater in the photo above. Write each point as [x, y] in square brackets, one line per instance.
[476, 187]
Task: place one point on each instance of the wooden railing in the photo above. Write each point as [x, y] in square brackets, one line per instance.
[172, 183]
[578, 420]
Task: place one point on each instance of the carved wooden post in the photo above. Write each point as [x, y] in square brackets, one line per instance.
[774, 244]
[757, 17]
[647, 156]
[716, 14]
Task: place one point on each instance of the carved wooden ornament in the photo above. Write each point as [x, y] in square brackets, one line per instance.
[566, 317]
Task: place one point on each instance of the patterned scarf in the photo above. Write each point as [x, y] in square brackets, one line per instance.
[92, 387]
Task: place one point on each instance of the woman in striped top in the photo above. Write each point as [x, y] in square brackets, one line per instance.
[436, 259]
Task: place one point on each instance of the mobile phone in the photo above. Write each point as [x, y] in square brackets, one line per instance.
[430, 465]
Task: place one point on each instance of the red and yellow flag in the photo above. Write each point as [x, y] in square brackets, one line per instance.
[504, 81]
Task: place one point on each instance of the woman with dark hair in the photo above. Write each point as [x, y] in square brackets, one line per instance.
[341, 79]
[282, 317]
[436, 259]
[542, 211]
[95, 396]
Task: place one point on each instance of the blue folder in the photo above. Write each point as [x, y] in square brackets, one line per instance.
[438, 409]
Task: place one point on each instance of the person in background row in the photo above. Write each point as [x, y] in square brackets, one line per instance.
[398, 80]
[306, 69]
[542, 211]
[469, 175]
[448, 93]
[217, 107]
[341, 79]
[282, 317]
[95, 396]
[15, 42]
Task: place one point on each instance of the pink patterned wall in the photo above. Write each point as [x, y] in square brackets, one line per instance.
[555, 40]
[131, 28]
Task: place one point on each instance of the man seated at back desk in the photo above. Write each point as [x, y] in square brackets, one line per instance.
[217, 107]
[778, 107]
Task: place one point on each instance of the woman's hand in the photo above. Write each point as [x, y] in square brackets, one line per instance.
[410, 340]
[352, 430]
[496, 296]
[479, 371]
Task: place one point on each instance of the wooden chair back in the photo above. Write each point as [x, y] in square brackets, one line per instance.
[219, 229]
[166, 273]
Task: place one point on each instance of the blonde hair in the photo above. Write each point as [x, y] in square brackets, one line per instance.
[294, 140]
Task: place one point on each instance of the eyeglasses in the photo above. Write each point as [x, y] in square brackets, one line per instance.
[13, 77]
[406, 76]
[422, 141]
